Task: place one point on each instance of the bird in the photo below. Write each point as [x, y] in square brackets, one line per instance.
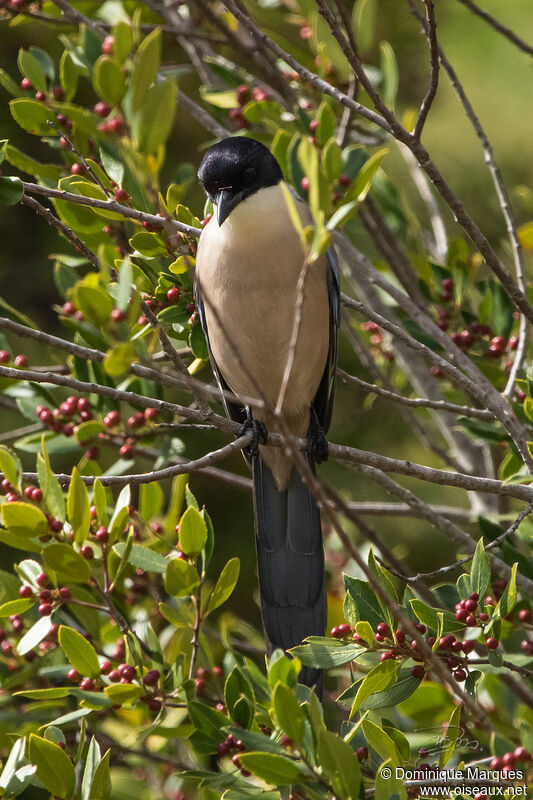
[249, 260]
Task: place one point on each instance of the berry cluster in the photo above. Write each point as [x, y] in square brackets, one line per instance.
[244, 96]
[400, 646]
[49, 599]
[232, 746]
[376, 340]
[20, 361]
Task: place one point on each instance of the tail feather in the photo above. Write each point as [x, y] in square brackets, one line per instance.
[290, 562]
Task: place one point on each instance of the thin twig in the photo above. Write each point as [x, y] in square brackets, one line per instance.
[77, 18]
[417, 402]
[427, 102]
[497, 25]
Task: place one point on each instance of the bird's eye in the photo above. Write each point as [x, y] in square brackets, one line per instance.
[249, 174]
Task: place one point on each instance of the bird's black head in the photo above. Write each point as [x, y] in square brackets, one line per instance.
[234, 169]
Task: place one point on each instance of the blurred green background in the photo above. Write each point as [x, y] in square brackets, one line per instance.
[499, 81]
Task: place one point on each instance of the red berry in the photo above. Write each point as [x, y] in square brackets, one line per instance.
[445, 642]
[305, 183]
[508, 759]
[69, 309]
[102, 534]
[447, 285]
[514, 342]
[107, 45]
[40, 97]
[102, 110]
[496, 763]
[466, 339]
[345, 629]
[77, 169]
[21, 360]
[483, 616]
[121, 196]
[335, 633]
[313, 125]
[118, 316]
[387, 655]
[461, 614]
[492, 643]
[92, 453]
[5, 357]
[468, 646]
[152, 677]
[105, 667]
[200, 686]
[151, 414]
[45, 609]
[42, 579]
[73, 675]
[524, 615]
[114, 676]
[26, 84]
[345, 180]
[126, 451]
[65, 593]
[112, 419]
[400, 636]
[87, 552]
[417, 671]
[471, 621]
[155, 705]
[58, 93]
[459, 675]
[128, 672]
[87, 684]
[243, 94]
[26, 591]
[470, 605]
[362, 753]
[173, 295]
[45, 594]
[383, 629]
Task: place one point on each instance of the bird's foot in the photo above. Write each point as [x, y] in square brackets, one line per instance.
[259, 434]
[317, 443]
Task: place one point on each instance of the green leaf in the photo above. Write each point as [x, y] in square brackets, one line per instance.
[428, 616]
[50, 486]
[79, 651]
[288, 712]
[15, 607]
[9, 84]
[78, 507]
[360, 186]
[181, 579]
[101, 784]
[91, 762]
[89, 430]
[192, 532]
[381, 742]
[326, 123]
[197, 343]
[366, 602]
[143, 558]
[506, 602]
[225, 584]
[124, 285]
[68, 75]
[124, 693]
[11, 190]
[145, 67]
[45, 694]
[109, 81]
[31, 115]
[155, 118]
[23, 519]
[30, 67]
[9, 467]
[380, 677]
[332, 159]
[389, 70]
[122, 41]
[149, 244]
[284, 669]
[54, 768]
[480, 572]
[340, 765]
[66, 563]
[272, 768]
[119, 359]
[323, 653]
[150, 500]
[453, 729]
[387, 786]
[34, 635]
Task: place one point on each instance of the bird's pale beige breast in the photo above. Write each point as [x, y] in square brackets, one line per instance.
[248, 272]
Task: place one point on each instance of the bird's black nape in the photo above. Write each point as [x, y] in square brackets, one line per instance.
[234, 169]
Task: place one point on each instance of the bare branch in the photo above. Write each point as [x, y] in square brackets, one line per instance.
[46, 214]
[112, 205]
[427, 102]
[77, 18]
[417, 402]
[497, 25]
[375, 509]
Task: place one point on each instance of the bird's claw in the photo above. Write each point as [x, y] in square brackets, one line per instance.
[317, 443]
[259, 435]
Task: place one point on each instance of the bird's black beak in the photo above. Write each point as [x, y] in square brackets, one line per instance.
[226, 200]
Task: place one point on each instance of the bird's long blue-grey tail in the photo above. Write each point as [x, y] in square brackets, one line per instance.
[290, 563]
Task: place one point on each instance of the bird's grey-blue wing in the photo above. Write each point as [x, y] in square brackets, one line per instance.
[323, 402]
